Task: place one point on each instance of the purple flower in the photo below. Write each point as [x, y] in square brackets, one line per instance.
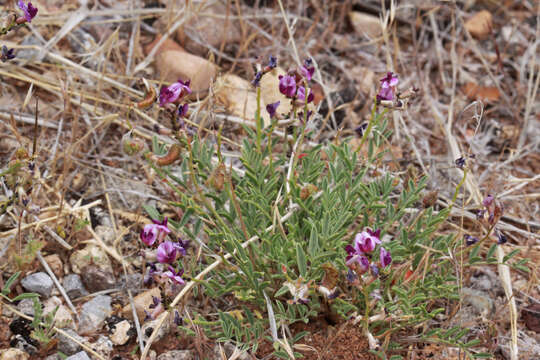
[385, 257]
[307, 70]
[175, 276]
[501, 238]
[182, 110]
[155, 302]
[149, 234]
[177, 318]
[301, 95]
[272, 62]
[173, 92]
[460, 162]
[162, 225]
[366, 241]
[351, 276]
[257, 79]
[7, 54]
[374, 269]
[149, 277]
[388, 84]
[470, 240]
[287, 85]
[301, 115]
[389, 80]
[271, 108]
[167, 252]
[488, 200]
[29, 10]
[359, 130]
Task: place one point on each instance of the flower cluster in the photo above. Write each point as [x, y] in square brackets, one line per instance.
[167, 252]
[293, 84]
[359, 253]
[494, 211]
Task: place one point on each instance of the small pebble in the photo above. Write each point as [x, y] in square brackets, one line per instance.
[40, 283]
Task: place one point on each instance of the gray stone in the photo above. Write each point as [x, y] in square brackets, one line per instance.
[93, 314]
[79, 356]
[131, 281]
[29, 54]
[68, 346]
[149, 327]
[21, 344]
[40, 283]
[177, 355]
[103, 346]
[26, 306]
[73, 285]
[96, 279]
[53, 357]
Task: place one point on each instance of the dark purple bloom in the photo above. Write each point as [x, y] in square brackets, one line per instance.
[460, 163]
[167, 252]
[301, 95]
[361, 129]
[149, 277]
[257, 79]
[183, 110]
[162, 225]
[29, 10]
[177, 318]
[175, 276]
[351, 276]
[488, 200]
[357, 261]
[287, 85]
[307, 70]
[385, 257]
[7, 54]
[374, 269]
[271, 108]
[301, 115]
[183, 243]
[272, 63]
[501, 238]
[155, 302]
[480, 214]
[173, 92]
[470, 240]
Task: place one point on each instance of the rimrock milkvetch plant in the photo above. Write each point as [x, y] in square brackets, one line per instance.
[295, 230]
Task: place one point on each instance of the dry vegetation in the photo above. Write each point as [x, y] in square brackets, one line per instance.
[80, 64]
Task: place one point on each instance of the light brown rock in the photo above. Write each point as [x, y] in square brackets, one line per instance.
[174, 64]
[55, 264]
[270, 91]
[13, 354]
[238, 97]
[206, 29]
[90, 255]
[365, 25]
[120, 334]
[480, 24]
[142, 302]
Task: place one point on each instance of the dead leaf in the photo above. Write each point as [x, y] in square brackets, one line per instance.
[480, 24]
[486, 93]
[365, 25]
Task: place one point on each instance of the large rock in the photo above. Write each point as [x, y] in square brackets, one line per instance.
[173, 63]
[93, 314]
[68, 346]
[96, 279]
[40, 283]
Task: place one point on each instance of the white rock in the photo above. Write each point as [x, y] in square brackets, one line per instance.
[13, 354]
[120, 334]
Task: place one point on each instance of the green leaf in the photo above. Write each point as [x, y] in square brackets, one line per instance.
[510, 255]
[7, 286]
[25, 296]
[154, 214]
[301, 259]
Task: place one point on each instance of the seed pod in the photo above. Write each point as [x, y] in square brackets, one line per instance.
[217, 179]
[307, 191]
[131, 145]
[170, 157]
[149, 99]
